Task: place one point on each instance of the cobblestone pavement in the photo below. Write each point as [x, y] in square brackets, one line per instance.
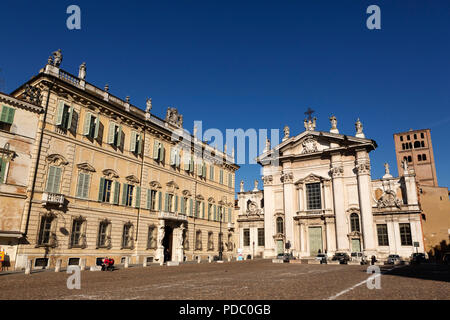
[259, 279]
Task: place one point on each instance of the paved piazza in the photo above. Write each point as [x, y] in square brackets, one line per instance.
[259, 279]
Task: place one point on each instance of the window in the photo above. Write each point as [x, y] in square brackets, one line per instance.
[105, 190]
[211, 173]
[64, 116]
[230, 180]
[91, 126]
[409, 159]
[115, 135]
[403, 146]
[416, 144]
[76, 237]
[221, 176]
[53, 179]
[354, 222]
[158, 151]
[175, 158]
[198, 240]
[415, 136]
[422, 144]
[424, 157]
[209, 210]
[408, 137]
[6, 118]
[419, 157]
[170, 207]
[126, 236]
[313, 196]
[261, 237]
[45, 230]
[405, 234]
[422, 135]
[189, 163]
[151, 240]
[210, 241]
[103, 234]
[83, 185]
[246, 237]
[136, 143]
[197, 208]
[3, 164]
[382, 232]
[151, 199]
[127, 195]
[280, 226]
[401, 138]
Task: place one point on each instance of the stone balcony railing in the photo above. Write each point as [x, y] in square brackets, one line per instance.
[52, 199]
[172, 216]
[319, 212]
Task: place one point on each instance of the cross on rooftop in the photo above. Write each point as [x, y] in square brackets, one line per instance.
[309, 113]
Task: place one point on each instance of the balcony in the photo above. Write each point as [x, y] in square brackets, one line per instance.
[172, 216]
[52, 199]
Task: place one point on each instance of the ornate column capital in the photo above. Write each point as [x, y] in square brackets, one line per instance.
[287, 178]
[337, 171]
[363, 167]
[267, 180]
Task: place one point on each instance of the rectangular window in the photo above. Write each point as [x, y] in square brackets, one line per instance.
[209, 210]
[107, 191]
[313, 196]
[53, 179]
[126, 236]
[210, 241]
[91, 126]
[158, 151]
[153, 200]
[102, 234]
[221, 176]
[64, 116]
[211, 173]
[230, 180]
[261, 237]
[115, 135]
[6, 118]
[382, 232]
[246, 237]
[3, 164]
[83, 185]
[136, 143]
[75, 239]
[129, 195]
[405, 234]
[197, 208]
[45, 231]
[170, 202]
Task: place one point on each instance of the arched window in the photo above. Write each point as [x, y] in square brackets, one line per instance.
[417, 144]
[424, 157]
[409, 159]
[419, 157]
[422, 144]
[354, 222]
[280, 226]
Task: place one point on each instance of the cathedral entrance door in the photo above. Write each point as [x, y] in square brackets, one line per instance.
[315, 241]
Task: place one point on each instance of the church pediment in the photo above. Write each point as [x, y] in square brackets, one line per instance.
[311, 178]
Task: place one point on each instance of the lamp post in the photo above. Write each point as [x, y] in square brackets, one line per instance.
[220, 233]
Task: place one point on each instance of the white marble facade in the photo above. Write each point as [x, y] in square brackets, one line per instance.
[319, 196]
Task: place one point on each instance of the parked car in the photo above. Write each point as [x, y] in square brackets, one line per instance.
[322, 257]
[285, 257]
[342, 257]
[393, 259]
[418, 258]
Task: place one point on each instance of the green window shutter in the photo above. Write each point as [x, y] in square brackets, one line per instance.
[149, 199]
[7, 115]
[133, 141]
[97, 126]
[2, 170]
[230, 180]
[57, 181]
[138, 197]
[155, 149]
[87, 123]
[196, 209]
[191, 165]
[221, 177]
[162, 153]
[176, 203]
[215, 213]
[177, 158]
[119, 137]
[69, 123]
[116, 192]
[53, 179]
[111, 131]
[229, 215]
[204, 171]
[190, 207]
[159, 200]
[59, 113]
[172, 157]
[199, 170]
[141, 141]
[4, 114]
[87, 181]
[211, 172]
[182, 205]
[203, 210]
[80, 185]
[166, 202]
[101, 189]
[124, 194]
[187, 163]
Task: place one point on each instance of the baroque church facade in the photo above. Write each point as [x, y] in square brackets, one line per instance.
[319, 197]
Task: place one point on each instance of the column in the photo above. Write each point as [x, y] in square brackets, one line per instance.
[337, 172]
[365, 201]
[269, 220]
[289, 207]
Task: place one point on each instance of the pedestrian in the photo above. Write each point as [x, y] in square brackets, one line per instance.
[373, 260]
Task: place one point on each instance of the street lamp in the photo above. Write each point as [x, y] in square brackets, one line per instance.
[220, 233]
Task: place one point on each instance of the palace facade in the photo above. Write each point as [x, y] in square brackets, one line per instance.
[108, 179]
[319, 197]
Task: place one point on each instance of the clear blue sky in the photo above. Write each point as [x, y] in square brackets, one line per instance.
[254, 64]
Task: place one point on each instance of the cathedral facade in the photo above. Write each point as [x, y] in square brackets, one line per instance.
[319, 197]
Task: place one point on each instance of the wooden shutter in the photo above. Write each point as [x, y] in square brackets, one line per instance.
[230, 180]
[133, 141]
[69, 122]
[4, 114]
[215, 213]
[59, 113]
[182, 205]
[191, 165]
[119, 137]
[187, 163]
[124, 194]
[7, 115]
[116, 192]
[166, 202]
[162, 152]
[190, 207]
[172, 157]
[159, 200]
[138, 197]
[80, 185]
[2, 170]
[87, 123]
[149, 199]
[229, 215]
[101, 189]
[203, 210]
[97, 126]
[155, 149]
[140, 143]
[211, 172]
[111, 132]
[87, 181]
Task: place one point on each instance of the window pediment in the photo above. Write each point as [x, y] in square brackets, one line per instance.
[57, 159]
[155, 185]
[110, 173]
[211, 200]
[132, 178]
[311, 178]
[187, 193]
[172, 185]
[85, 167]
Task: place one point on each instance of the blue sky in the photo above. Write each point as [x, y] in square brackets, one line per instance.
[254, 64]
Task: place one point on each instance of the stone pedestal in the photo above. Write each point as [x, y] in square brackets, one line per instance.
[83, 264]
[58, 265]
[125, 265]
[144, 263]
[28, 266]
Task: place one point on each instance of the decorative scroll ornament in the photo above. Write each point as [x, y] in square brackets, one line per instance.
[389, 199]
[309, 146]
